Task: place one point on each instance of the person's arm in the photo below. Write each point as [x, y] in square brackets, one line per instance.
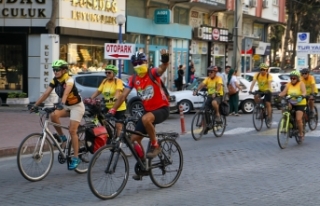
[313, 85]
[269, 82]
[95, 94]
[252, 85]
[44, 96]
[165, 62]
[121, 99]
[284, 92]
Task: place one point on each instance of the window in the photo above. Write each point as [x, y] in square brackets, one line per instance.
[181, 15]
[90, 81]
[275, 2]
[136, 8]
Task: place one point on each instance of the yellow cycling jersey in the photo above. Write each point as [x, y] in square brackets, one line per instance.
[108, 90]
[263, 81]
[212, 85]
[295, 91]
[309, 82]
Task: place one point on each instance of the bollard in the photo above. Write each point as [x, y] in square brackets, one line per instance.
[183, 128]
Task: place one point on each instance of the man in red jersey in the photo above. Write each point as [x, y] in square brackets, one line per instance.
[153, 97]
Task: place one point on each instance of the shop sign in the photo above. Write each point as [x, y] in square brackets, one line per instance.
[312, 48]
[256, 57]
[119, 51]
[162, 16]
[212, 34]
[21, 9]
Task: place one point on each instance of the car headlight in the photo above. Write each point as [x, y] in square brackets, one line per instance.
[172, 98]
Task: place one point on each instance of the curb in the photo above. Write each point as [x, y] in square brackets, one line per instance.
[8, 152]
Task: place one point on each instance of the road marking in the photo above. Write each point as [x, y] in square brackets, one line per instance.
[239, 130]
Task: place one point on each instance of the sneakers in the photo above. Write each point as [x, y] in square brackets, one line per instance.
[74, 163]
[60, 138]
[218, 120]
[154, 151]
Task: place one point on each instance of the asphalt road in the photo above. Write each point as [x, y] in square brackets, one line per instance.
[243, 167]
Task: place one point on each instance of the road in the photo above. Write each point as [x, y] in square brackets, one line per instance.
[243, 167]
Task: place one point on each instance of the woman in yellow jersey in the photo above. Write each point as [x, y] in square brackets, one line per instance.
[297, 90]
[111, 88]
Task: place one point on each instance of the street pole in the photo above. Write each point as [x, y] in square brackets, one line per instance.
[245, 57]
[120, 42]
[237, 35]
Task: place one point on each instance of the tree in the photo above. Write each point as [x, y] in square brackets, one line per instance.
[51, 25]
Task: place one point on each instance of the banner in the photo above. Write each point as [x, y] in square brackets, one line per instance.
[313, 48]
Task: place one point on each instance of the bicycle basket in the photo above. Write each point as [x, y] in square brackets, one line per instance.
[224, 108]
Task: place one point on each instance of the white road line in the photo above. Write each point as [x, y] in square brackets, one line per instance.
[239, 130]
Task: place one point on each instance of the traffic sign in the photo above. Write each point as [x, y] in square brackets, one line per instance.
[119, 51]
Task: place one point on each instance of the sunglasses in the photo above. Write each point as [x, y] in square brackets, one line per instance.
[304, 73]
[56, 69]
[136, 63]
[211, 72]
[293, 78]
[108, 72]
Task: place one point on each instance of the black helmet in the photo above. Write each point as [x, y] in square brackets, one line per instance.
[304, 70]
[212, 68]
[138, 58]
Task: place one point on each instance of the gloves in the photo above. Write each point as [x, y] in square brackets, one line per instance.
[33, 108]
[165, 58]
[60, 106]
[299, 99]
[111, 113]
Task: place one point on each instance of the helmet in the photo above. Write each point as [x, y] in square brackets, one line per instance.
[60, 64]
[212, 68]
[138, 58]
[112, 68]
[304, 70]
[263, 65]
[295, 73]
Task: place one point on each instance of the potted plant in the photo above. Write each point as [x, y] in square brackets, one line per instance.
[17, 98]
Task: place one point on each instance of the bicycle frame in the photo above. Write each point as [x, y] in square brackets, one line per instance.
[287, 115]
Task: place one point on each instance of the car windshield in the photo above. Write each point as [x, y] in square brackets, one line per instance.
[284, 77]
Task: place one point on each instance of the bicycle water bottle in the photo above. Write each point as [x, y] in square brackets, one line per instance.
[138, 150]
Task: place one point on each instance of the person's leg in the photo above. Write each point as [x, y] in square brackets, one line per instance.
[55, 117]
[299, 115]
[236, 103]
[119, 115]
[231, 104]
[311, 104]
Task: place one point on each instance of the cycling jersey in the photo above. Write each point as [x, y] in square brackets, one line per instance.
[309, 82]
[263, 81]
[108, 90]
[212, 85]
[60, 84]
[152, 96]
[295, 91]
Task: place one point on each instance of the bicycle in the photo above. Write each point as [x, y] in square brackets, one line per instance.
[37, 149]
[105, 184]
[312, 120]
[205, 119]
[260, 113]
[287, 125]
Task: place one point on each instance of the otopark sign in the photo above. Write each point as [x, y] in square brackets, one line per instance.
[119, 51]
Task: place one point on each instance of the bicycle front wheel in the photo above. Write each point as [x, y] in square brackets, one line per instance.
[83, 153]
[166, 168]
[313, 121]
[108, 172]
[283, 133]
[33, 164]
[198, 125]
[257, 118]
[219, 128]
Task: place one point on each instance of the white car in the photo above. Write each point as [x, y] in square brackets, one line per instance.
[278, 80]
[189, 102]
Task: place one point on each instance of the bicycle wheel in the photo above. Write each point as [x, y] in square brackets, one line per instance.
[257, 118]
[218, 129]
[166, 168]
[108, 184]
[313, 121]
[283, 133]
[198, 125]
[84, 154]
[33, 165]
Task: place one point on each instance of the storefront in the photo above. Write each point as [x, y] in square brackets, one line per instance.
[82, 29]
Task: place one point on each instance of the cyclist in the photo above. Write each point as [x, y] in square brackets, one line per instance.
[311, 87]
[111, 88]
[214, 86]
[297, 90]
[264, 84]
[153, 97]
[70, 105]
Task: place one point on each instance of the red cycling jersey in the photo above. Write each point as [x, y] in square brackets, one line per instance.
[151, 94]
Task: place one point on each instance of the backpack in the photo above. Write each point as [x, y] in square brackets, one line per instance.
[95, 137]
[161, 85]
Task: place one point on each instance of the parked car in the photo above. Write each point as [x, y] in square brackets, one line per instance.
[189, 102]
[317, 79]
[88, 82]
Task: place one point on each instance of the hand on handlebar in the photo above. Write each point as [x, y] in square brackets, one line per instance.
[111, 113]
[33, 108]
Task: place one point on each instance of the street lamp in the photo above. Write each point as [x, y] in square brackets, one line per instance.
[120, 19]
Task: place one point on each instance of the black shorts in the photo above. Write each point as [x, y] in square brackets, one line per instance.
[210, 99]
[120, 114]
[299, 107]
[267, 96]
[160, 115]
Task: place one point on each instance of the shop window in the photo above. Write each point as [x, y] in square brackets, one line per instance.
[136, 8]
[181, 15]
[161, 41]
[86, 58]
[11, 67]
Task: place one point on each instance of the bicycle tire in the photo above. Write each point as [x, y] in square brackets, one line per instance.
[220, 127]
[285, 131]
[198, 124]
[84, 154]
[161, 166]
[36, 162]
[257, 118]
[99, 183]
[314, 119]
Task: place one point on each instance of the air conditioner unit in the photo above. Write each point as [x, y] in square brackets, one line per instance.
[265, 4]
[198, 32]
[252, 3]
